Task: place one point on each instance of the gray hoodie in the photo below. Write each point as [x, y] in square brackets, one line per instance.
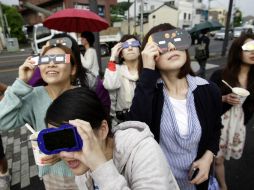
[138, 163]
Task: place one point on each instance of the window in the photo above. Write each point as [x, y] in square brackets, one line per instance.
[152, 7]
[184, 16]
[101, 10]
[189, 16]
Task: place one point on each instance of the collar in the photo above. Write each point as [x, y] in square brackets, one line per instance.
[193, 82]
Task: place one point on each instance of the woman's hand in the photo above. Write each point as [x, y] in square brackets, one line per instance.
[203, 164]
[115, 51]
[26, 70]
[231, 99]
[149, 55]
[91, 154]
[50, 159]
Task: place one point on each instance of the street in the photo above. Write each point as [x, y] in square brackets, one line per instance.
[239, 173]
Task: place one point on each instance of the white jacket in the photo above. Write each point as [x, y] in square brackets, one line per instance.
[138, 163]
[121, 85]
[90, 61]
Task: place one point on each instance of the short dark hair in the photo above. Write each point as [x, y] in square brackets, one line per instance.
[185, 69]
[89, 37]
[78, 103]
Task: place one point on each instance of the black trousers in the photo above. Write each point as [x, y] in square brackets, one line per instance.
[202, 65]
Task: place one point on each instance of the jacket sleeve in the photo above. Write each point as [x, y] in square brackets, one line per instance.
[13, 108]
[146, 168]
[142, 103]
[213, 143]
[112, 78]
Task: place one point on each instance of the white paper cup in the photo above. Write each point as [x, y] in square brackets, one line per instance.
[38, 155]
[241, 92]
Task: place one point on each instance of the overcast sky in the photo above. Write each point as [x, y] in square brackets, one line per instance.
[246, 6]
[10, 2]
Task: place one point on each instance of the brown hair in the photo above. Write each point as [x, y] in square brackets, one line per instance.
[80, 77]
[234, 62]
[185, 69]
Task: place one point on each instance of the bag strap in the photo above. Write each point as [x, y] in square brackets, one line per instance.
[213, 171]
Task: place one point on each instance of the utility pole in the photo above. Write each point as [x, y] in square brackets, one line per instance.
[141, 20]
[208, 8]
[2, 20]
[128, 17]
[135, 5]
[94, 7]
[225, 42]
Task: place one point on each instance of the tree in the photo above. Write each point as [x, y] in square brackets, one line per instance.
[237, 18]
[15, 22]
[117, 11]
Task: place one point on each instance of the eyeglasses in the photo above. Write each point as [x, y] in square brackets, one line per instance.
[57, 59]
[132, 44]
[249, 46]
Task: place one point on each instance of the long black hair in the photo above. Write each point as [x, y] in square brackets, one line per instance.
[234, 62]
[78, 103]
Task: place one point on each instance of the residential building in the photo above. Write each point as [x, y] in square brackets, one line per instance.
[32, 17]
[165, 13]
[218, 14]
[190, 12]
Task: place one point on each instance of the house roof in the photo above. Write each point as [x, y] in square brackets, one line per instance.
[167, 4]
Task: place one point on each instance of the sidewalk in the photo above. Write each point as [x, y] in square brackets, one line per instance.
[21, 160]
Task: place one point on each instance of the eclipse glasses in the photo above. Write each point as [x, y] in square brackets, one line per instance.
[63, 41]
[57, 59]
[249, 46]
[63, 138]
[181, 39]
[131, 43]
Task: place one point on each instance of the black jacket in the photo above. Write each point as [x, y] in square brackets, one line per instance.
[147, 107]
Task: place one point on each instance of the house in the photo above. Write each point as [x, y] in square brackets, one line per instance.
[32, 16]
[163, 14]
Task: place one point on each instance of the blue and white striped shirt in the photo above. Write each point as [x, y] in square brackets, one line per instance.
[181, 151]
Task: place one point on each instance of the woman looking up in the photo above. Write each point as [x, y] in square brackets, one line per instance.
[238, 72]
[120, 79]
[182, 111]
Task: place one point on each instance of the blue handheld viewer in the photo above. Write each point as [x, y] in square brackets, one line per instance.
[63, 138]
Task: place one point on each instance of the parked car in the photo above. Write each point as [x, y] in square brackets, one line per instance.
[220, 34]
[238, 31]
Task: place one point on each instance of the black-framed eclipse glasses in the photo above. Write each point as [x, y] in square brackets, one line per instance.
[57, 59]
[131, 43]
